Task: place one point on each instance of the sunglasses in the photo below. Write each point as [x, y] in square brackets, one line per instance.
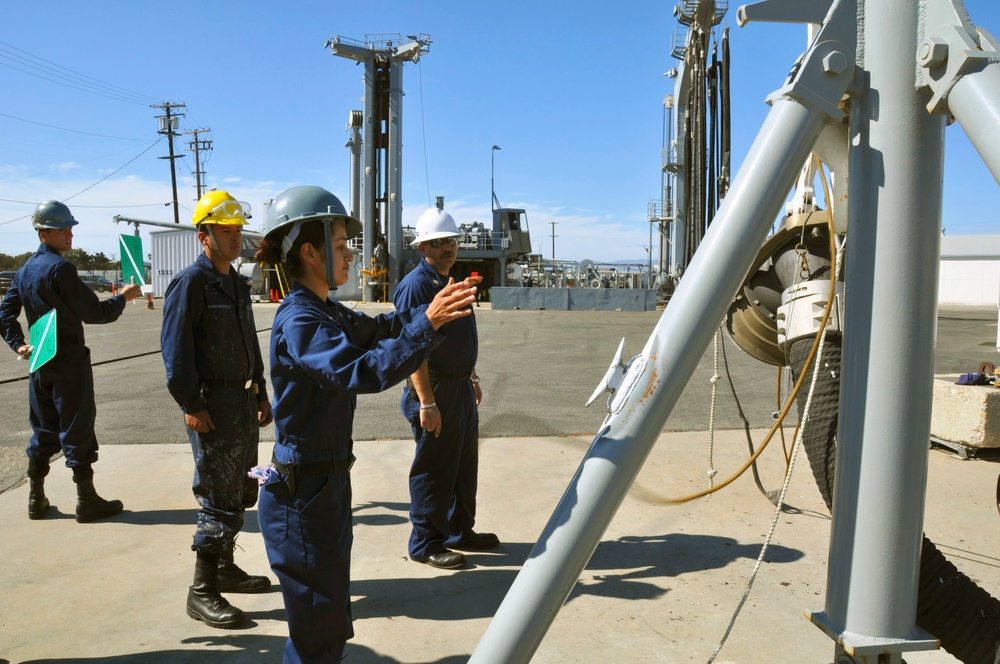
[440, 242]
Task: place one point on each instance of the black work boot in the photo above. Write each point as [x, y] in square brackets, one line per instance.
[90, 506]
[38, 504]
[204, 602]
[232, 579]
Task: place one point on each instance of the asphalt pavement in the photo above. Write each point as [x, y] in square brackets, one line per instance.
[538, 369]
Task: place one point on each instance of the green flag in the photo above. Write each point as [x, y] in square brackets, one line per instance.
[43, 340]
[132, 266]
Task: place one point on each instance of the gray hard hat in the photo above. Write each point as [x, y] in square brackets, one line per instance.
[52, 214]
[297, 205]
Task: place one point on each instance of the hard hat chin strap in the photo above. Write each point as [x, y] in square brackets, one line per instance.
[328, 241]
[211, 236]
[293, 234]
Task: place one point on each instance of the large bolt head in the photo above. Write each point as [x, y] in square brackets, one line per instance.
[834, 62]
[932, 52]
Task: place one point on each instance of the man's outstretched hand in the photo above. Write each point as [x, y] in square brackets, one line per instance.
[452, 301]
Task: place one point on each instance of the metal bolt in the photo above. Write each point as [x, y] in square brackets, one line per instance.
[933, 52]
[834, 62]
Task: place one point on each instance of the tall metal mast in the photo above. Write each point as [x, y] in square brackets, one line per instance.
[383, 56]
[695, 164]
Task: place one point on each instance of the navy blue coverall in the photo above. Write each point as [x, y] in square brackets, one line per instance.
[213, 363]
[323, 355]
[445, 471]
[60, 392]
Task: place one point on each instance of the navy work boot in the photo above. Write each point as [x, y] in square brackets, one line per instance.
[38, 504]
[204, 602]
[90, 506]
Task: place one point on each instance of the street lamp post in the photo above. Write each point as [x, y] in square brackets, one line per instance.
[494, 203]
[668, 254]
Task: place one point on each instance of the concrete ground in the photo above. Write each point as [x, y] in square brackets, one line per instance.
[661, 587]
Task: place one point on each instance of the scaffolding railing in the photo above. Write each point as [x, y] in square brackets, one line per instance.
[687, 11]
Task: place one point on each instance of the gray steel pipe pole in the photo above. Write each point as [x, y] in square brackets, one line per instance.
[896, 169]
[394, 178]
[368, 186]
[975, 103]
[653, 384]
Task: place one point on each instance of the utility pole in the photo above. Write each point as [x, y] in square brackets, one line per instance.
[196, 146]
[554, 236]
[168, 127]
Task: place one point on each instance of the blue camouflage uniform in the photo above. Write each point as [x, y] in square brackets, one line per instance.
[213, 363]
[60, 392]
[445, 470]
[322, 355]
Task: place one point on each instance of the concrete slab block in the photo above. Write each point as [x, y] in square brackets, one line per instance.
[967, 415]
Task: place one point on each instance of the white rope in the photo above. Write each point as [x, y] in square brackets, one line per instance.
[788, 476]
[712, 472]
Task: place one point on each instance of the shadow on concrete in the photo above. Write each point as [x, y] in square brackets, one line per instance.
[362, 655]
[184, 517]
[239, 648]
[635, 568]
[666, 556]
[362, 517]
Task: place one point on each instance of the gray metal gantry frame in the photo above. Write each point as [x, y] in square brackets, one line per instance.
[891, 70]
[382, 59]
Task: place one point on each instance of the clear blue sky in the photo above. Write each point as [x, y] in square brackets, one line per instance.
[572, 93]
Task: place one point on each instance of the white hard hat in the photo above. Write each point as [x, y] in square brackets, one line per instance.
[434, 224]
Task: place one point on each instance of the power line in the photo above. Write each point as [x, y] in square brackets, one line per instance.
[423, 131]
[75, 131]
[10, 221]
[105, 207]
[61, 169]
[70, 78]
[113, 172]
[63, 83]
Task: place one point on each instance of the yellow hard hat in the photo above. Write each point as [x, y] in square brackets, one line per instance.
[218, 207]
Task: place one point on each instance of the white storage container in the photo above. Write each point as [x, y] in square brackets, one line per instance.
[172, 252]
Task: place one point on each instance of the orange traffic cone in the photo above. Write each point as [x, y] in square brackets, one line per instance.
[274, 295]
[113, 289]
[149, 300]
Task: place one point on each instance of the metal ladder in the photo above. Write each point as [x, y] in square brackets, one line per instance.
[279, 271]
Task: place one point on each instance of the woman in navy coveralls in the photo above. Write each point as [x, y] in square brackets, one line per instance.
[322, 355]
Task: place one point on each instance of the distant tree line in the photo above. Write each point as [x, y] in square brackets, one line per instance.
[78, 257]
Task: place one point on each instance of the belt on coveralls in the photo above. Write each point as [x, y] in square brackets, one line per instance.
[291, 470]
[247, 384]
[441, 377]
